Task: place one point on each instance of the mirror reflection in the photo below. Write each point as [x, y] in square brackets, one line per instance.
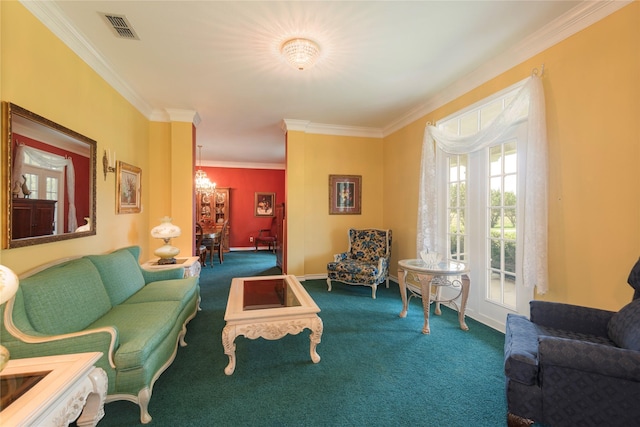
[52, 180]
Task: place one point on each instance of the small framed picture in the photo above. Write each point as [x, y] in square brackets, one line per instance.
[264, 204]
[345, 194]
[128, 192]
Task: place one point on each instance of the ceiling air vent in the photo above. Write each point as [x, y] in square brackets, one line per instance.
[120, 26]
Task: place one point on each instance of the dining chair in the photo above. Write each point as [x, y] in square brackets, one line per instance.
[201, 248]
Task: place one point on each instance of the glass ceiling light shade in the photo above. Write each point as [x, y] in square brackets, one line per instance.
[203, 184]
[8, 288]
[166, 231]
[301, 53]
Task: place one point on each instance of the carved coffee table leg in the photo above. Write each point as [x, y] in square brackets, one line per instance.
[94, 407]
[314, 337]
[402, 284]
[228, 338]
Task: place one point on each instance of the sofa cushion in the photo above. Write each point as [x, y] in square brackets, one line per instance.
[65, 298]
[120, 274]
[624, 326]
[352, 271]
[181, 290]
[141, 329]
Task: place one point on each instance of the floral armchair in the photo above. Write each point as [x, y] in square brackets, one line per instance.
[366, 262]
[574, 366]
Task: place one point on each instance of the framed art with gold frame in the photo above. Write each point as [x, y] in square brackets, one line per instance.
[264, 204]
[128, 191]
[345, 194]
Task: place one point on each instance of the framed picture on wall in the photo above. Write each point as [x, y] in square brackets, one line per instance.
[128, 191]
[345, 194]
[264, 204]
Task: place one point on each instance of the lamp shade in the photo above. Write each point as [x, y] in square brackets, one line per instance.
[8, 284]
[166, 230]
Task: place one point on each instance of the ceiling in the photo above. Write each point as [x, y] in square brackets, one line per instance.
[381, 62]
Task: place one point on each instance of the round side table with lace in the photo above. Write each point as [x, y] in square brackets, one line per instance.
[450, 274]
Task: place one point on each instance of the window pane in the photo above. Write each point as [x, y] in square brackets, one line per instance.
[469, 124]
[511, 157]
[451, 127]
[496, 191]
[510, 186]
[453, 195]
[490, 112]
[495, 160]
[32, 184]
[496, 250]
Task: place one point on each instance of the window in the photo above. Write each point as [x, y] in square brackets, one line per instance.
[482, 199]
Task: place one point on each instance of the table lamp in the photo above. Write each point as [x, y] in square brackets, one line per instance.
[8, 287]
[165, 231]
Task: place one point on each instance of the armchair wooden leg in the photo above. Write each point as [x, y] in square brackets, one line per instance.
[516, 421]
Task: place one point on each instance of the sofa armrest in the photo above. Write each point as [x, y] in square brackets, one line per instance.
[157, 275]
[586, 320]
[589, 357]
[28, 344]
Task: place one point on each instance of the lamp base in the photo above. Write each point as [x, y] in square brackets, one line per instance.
[165, 261]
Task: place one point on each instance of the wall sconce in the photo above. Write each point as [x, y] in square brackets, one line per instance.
[108, 163]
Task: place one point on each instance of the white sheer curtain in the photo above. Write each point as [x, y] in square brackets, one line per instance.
[531, 95]
[49, 160]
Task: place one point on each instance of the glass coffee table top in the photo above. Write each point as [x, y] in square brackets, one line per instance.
[268, 293]
[14, 386]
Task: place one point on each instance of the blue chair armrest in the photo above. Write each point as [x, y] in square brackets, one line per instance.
[601, 359]
[569, 317]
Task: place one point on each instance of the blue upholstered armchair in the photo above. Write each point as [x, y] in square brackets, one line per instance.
[366, 262]
[574, 366]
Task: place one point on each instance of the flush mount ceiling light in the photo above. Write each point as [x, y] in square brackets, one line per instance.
[301, 53]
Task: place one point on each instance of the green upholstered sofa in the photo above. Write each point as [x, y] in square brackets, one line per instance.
[105, 303]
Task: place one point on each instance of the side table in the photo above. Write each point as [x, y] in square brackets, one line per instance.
[441, 275]
[53, 391]
[191, 266]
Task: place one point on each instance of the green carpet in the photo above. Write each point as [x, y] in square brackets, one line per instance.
[376, 369]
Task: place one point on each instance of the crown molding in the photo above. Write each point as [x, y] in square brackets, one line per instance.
[52, 17]
[244, 165]
[327, 129]
[575, 20]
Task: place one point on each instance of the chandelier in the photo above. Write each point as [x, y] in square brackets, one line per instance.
[203, 184]
[301, 53]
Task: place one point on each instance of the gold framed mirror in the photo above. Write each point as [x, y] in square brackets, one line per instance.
[51, 177]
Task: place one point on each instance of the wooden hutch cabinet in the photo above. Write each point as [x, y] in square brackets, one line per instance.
[213, 212]
[32, 217]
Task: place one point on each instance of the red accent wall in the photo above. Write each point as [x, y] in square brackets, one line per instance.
[81, 167]
[243, 184]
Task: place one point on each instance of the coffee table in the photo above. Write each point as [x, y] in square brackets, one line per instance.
[269, 307]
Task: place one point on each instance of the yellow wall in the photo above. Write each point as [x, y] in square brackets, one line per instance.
[592, 94]
[314, 235]
[40, 73]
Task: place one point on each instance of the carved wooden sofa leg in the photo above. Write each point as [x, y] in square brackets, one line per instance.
[516, 421]
[144, 396]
